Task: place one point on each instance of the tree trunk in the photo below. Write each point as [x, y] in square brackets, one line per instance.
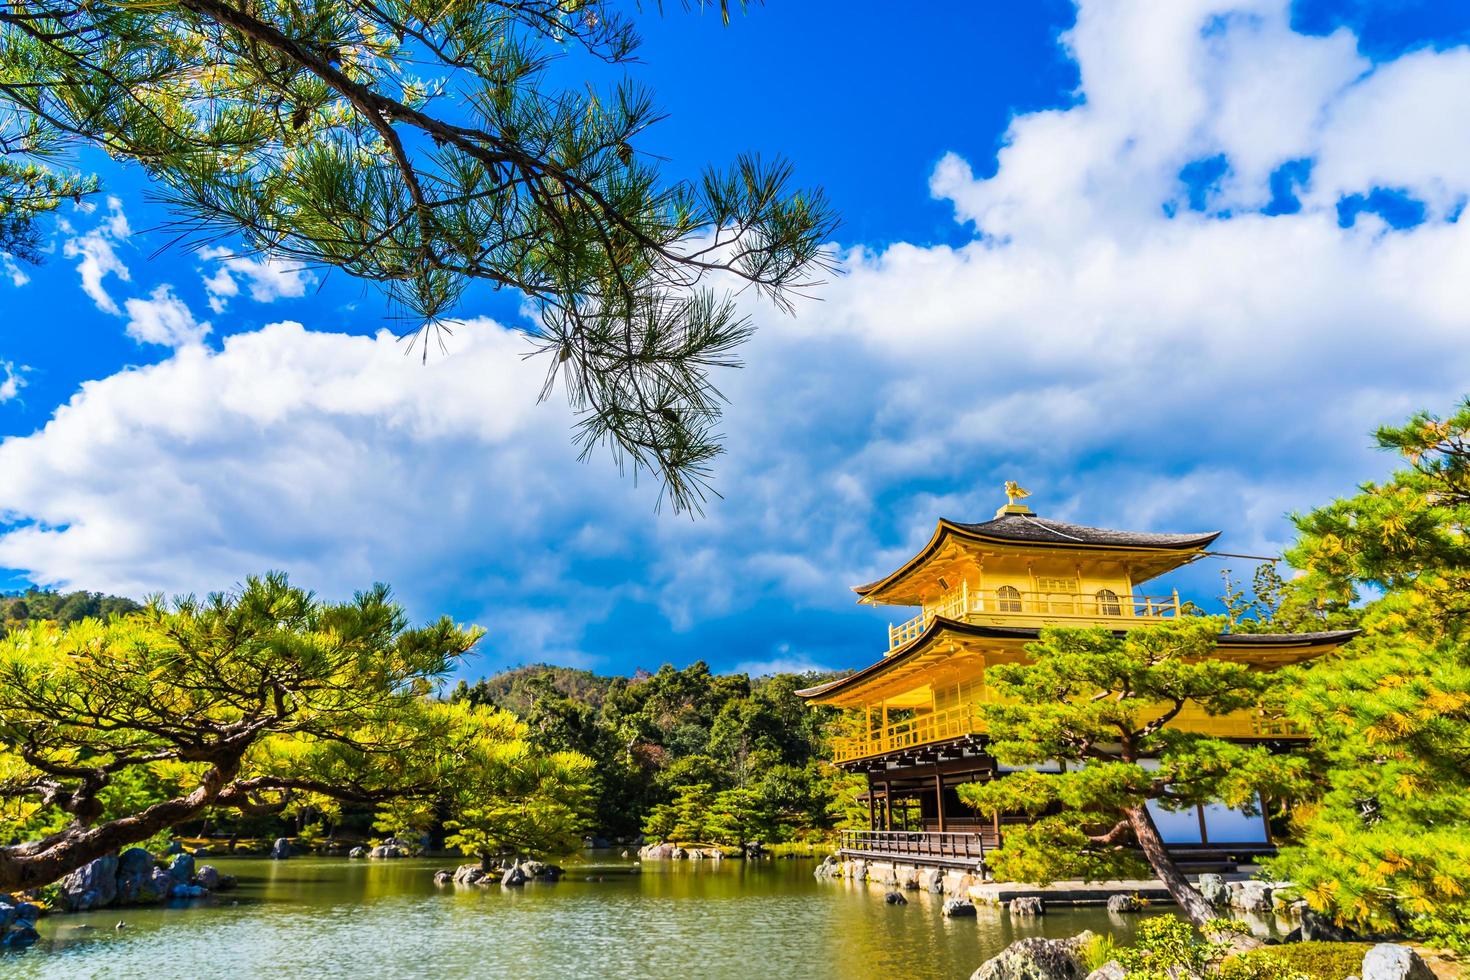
[1195, 906]
[38, 863]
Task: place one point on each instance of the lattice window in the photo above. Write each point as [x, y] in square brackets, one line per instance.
[1108, 603]
[1008, 598]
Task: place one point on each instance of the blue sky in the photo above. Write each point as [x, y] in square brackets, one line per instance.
[1165, 265]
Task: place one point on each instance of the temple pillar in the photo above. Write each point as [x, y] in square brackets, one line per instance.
[939, 795]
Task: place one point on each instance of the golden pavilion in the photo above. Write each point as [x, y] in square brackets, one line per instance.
[983, 592]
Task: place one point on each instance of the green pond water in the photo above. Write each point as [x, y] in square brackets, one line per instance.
[330, 917]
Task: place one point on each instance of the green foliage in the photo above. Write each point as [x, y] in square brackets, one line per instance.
[1101, 702]
[653, 734]
[426, 147]
[1385, 844]
[1261, 612]
[404, 818]
[685, 818]
[1056, 848]
[1404, 538]
[111, 732]
[529, 803]
[1310, 961]
[30, 186]
[1167, 947]
[36, 605]
[1097, 951]
[310, 837]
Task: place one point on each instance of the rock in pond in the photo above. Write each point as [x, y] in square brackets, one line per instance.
[540, 871]
[1390, 961]
[19, 934]
[1124, 903]
[1037, 959]
[1214, 889]
[1111, 970]
[1027, 906]
[1250, 896]
[469, 874]
[513, 876]
[358, 852]
[135, 877]
[895, 898]
[181, 869]
[207, 876]
[443, 876]
[91, 886]
[958, 908]
[281, 849]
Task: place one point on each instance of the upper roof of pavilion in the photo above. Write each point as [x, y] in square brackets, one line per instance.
[1016, 529]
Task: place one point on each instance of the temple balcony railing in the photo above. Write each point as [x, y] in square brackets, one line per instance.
[962, 850]
[922, 729]
[1014, 607]
[930, 727]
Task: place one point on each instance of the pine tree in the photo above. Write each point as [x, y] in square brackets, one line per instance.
[1385, 845]
[1102, 703]
[423, 145]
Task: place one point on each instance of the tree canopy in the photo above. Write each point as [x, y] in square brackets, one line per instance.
[671, 745]
[1385, 843]
[1102, 703]
[251, 702]
[425, 145]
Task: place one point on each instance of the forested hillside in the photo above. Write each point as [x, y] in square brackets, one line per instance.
[18, 608]
[673, 741]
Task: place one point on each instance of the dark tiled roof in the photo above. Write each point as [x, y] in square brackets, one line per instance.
[940, 623]
[1285, 639]
[1021, 527]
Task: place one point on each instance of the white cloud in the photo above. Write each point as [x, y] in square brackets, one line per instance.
[1131, 368]
[12, 380]
[97, 255]
[335, 457]
[11, 269]
[164, 319]
[268, 279]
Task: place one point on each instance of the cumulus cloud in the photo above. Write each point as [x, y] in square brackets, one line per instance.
[11, 270]
[335, 457]
[164, 319]
[268, 279]
[11, 380]
[1139, 338]
[96, 252]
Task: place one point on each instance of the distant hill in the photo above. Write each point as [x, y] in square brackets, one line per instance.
[18, 608]
[507, 689]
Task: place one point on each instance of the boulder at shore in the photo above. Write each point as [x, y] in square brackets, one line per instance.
[91, 886]
[1037, 959]
[1389, 961]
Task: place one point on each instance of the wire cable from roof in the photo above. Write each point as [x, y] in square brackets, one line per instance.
[1231, 554]
[1050, 530]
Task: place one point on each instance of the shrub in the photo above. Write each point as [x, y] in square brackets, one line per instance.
[1097, 951]
[1314, 961]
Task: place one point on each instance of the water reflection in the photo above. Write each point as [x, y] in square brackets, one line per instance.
[333, 918]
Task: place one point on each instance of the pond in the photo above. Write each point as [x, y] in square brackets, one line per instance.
[330, 917]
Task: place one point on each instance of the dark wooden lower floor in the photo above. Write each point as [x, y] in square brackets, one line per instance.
[915, 814]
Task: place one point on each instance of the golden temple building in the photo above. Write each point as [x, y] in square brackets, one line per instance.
[983, 592]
